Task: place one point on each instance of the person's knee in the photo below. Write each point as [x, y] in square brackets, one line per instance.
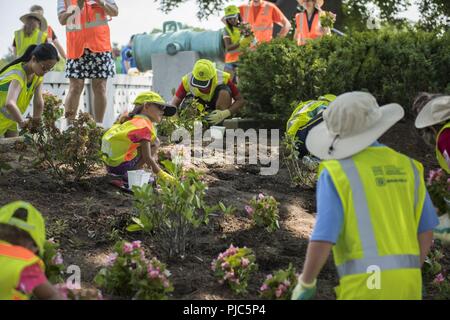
[99, 87]
[76, 87]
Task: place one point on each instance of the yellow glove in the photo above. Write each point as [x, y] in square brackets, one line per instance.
[303, 291]
[164, 176]
[217, 116]
[245, 42]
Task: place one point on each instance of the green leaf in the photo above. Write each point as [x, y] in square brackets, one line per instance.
[134, 228]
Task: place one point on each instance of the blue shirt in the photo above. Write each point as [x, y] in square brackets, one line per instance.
[330, 213]
[125, 58]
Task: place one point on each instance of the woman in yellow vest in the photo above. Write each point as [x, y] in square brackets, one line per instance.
[233, 39]
[308, 22]
[132, 143]
[22, 238]
[34, 31]
[434, 117]
[373, 209]
[19, 82]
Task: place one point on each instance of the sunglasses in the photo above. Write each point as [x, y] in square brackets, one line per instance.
[45, 68]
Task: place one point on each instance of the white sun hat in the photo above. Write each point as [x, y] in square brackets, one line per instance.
[435, 111]
[351, 123]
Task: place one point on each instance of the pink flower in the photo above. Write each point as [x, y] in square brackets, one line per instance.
[166, 284]
[439, 278]
[245, 262]
[57, 259]
[154, 274]
[269, 276]
[287, 283]
[111, 259]
[260, 196]
[249, 210]
[127, 247]
[213, 266]
[225, 265]
[264, 287]
[230, 251]
[136, 244]
[221, 256]
[228, 275]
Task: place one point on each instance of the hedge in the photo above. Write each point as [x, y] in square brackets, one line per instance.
[393, 66]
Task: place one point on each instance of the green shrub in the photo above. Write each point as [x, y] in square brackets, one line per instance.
[393, 66]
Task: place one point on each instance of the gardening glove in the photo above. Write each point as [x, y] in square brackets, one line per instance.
[164, 176]
[245, 42]
[217, 116]
[304, 291]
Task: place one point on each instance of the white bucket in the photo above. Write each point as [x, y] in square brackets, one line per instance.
[217, 132]
[138, 178]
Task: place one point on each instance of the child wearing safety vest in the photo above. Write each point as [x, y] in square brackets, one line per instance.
[19, 82]
[373, 209]
[434, 117]
[131, 143]
[22, 238]
[233, 39]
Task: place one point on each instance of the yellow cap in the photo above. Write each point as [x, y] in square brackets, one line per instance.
[231, 12]
[204, 71]
[34, 224]
[153, 97]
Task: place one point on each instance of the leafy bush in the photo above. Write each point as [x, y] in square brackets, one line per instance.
[128, 273]
[234, 267]
[172, 213]
[263, 210]
[53, 261]
[71, 153]
[393, 66]
[438, 185]
[280, 285]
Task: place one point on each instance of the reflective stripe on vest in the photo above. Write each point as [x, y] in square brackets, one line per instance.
[439, 156]
[366, 232]
[3, 109]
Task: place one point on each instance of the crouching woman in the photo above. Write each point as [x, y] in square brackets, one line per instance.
[132, 142]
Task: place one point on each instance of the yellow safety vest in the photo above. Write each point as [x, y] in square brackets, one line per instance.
[235, 36]
[440, 157]
[13, 260]
[23, 42]
[15, 72]
[377, 253]
[220, 78]
[117, 146]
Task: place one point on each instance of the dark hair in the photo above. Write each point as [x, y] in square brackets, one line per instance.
[36, 7]
[42, 52]
[14, 235]
[128, 116]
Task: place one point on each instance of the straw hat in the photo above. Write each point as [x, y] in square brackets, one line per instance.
[434, 112]
[38, 16]
[351, 123]
[319, 3]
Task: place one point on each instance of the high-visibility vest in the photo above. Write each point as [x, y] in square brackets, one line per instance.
[306, 111]
[13, 260]
[23, 42]
[303, 32]
[220, 78]
[440, 157]
[90, 31]
[262, 25]
[117, 146]
[235, 36]
[377, 253]
[15, 72]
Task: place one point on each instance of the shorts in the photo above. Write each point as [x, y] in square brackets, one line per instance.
[211, 105]
[122, 169]
[91, 65]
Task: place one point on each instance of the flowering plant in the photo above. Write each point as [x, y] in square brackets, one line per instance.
[53, 261]
[442, 284]
[246, 30]
[280, 285]
[327, 19]
[438, 185]
[234, 267]
[263, 210]
[129, 273]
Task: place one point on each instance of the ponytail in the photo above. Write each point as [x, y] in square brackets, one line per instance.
[128, 116]
[42, 52]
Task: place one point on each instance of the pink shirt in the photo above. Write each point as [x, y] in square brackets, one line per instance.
[30, 278]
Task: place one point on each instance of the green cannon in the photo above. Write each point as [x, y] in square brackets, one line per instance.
[174, 39]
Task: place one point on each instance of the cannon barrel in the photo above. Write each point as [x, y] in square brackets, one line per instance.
[208, 44]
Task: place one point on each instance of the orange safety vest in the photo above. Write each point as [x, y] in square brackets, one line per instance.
[87, 30]
[13, 260]
[262, 25]
[303, 32]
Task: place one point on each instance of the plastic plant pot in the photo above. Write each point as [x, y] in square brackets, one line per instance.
[138, 178]
[217, 132]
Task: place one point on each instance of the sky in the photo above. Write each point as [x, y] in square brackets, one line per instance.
[135, 16]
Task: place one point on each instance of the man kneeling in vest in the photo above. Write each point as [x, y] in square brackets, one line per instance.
[212, 88]
[373, 208]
